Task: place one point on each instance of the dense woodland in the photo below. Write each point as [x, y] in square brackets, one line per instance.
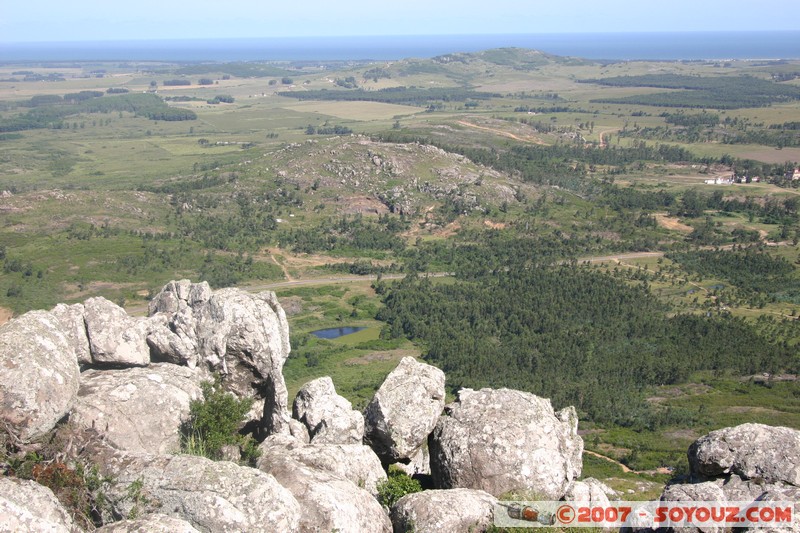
[573, 334]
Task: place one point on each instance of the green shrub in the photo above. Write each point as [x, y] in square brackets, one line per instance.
[398, 485]
[214, 423]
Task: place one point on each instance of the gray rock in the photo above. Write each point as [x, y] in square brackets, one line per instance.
[299, 431]
[74, 327]
[506, 440]
[354, 462]
[444, 511]
[419, 464]
[752, 451]
[154, 523]
[698, 492]
[329, 418]
[404, 410]
[137, 409]
[115, 339]
[329, 502]
[212, 496]
[243, 336]
[590, 491]
[30, 507]
[40, 376]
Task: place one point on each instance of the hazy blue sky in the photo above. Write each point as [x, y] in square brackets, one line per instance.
[86, 20]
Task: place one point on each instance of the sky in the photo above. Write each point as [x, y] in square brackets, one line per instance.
[103, 20]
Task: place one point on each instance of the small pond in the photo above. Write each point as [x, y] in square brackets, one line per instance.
[335, 333]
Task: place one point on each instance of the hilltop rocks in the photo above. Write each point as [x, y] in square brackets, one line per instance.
[154, 523]
[354, 462]
[39, 378]
[137, 409]
[444, 511]
[74, 328]
[243, 336]
[589, 491]
[503, 440]
[329, 502]
[771, 454]
[28, 506]
[328, 417]
[211, 496]
[404, 410]
[115, 338]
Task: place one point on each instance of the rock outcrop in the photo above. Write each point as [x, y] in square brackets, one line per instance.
[115, 339]
[211, 496]
[329, 502]
[30, 507]
[752, 451]
[243, 336]
[137, 409]
[404, 410]
[40, 374]
[590, 491]
[504, 440]
[74, 328]
[444, 511]
[328, 417]
[354, 462]
[154, 523]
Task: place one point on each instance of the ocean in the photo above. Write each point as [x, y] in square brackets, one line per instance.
[601, 46]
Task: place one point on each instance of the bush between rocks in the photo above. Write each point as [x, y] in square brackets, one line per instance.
[396, 486]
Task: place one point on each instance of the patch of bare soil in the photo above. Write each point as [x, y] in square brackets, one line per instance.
[494, 225]
[5, 315]
[672, 223]
[362, 205]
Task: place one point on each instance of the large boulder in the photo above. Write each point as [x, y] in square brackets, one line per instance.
[39, 380]
[137, 409]
[329, 418]
[752, 451]
[211, 496]
[506, 440]
[243, 336]
[404, 410]
[354, 462]
[115, 339]
[329, 502]
[30, 507]
[74, 327]
[444, 511]
[155, 523]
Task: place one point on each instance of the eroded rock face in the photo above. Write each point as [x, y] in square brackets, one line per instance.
[444, 511]
[115, 339]
[74, 328]
[404, 410]
[329, 502]
[329, 418]
[137, 409]
[243, 336]
[211, 496]
[155, 523]
[354, 462]
[30, 507]
[752, 451]
[39, 374]
[504, 440]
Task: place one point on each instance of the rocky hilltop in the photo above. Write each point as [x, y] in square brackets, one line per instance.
[105, 391]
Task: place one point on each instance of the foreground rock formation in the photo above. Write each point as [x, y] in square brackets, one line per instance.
[113, 390]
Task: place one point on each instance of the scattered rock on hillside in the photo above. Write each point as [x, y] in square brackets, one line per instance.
[115, 339]
[211, 496]
[330, 418]
[355, 462]
[404, 410]
[137, 409]
[590, 491]
[504, 440]
[753, 451]
[444, 511]
[329, 502]
[30, 507]
[155, 523]
[39, 381]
